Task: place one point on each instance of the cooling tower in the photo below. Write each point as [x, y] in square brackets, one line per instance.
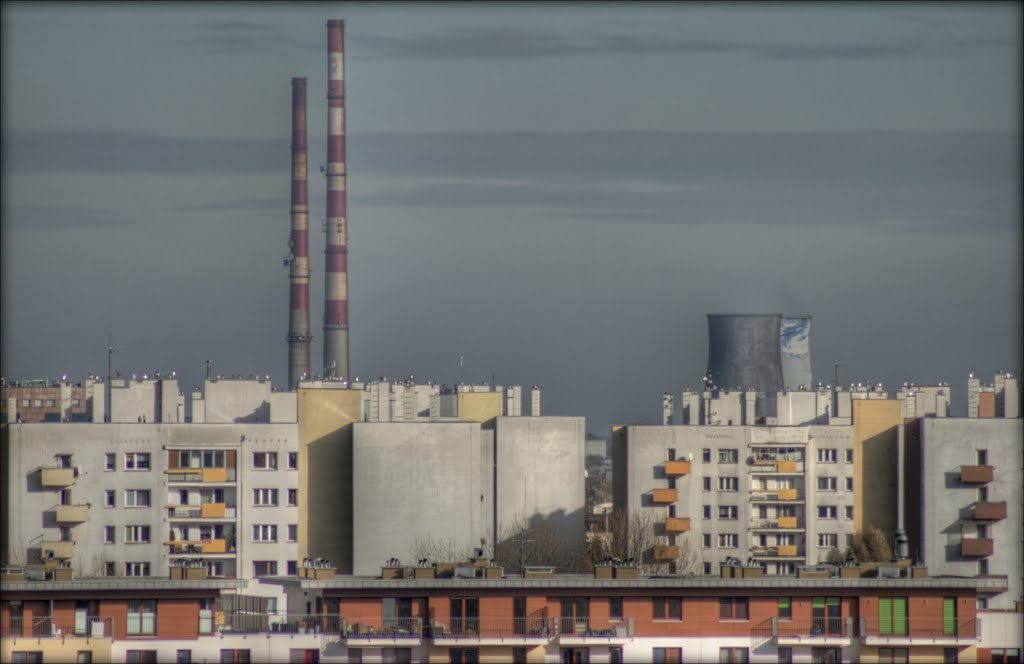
[795, 338]
[744, 351]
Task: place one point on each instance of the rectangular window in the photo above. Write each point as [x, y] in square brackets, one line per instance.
[826, 511]
[826, 455]
[950, 656]
[734, 608]
[184, 657]
[110, 461]
[728, 456]
[264, 533]
[848, 453]
[666, 655]
[293, 461]
[109, 569]
[140, 657]
[826, 484]
[728, 512]
[614, 655]
[27, 657]
[355, 655]
[615, 607]
[24, 403]
[785, 608]
[464, 655]
[108, 534]
[110, 496]
[49, 403]
[707, 568]
[982, 457]
[826, 655]
[65, 496]
[292, 568]
[706, 484]
[706, 455]
[141, 617]
[892, 615]
[949, 616]
[849, 484]
[37, 403]
[264, 568]
[84, 657]
[63, 460]
[728, 540]
[136, 569]
[234, 656]
[728, 484]
[264, 460]
[785, 655]
[705, 540]
[136, 535]
[667, 608]
[293, 532]
[733, 655]
[707, 511]
[293, 497]
[848, 512]
[893, 655]
[136, 498]
[827, 540]
[264, 497]
[136, 460]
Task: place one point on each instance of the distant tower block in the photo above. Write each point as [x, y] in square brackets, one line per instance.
[744, 352]
[298, 255]
[666, 408]
[336, 250]
[795, 340]
[535, 401]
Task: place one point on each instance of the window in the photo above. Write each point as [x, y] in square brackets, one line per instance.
[614, 655]
[463, 655]
[1006, 655]
[75, 403]
[264, 460]
[785, 656]
[293, 461]
[728, 512]
[785, 608]
[705, 540]
[37, 403]
[666, 655]
[615, 607]
[826, 511]
[110, 498]
[739, 655]
[24, 403]
[184, 657]
[848, 512]
[65, 496]
[304, 655]
[734, 608]
[983, 567]
[728, 540]
[707, 568]
[109, 534]
[27, 657]
[827, 540]
[84, 657]
[848, 455]
[826, 484]
[575, 656]
[849, 484]
[826, 455]
[728, 456]
[707, 511]
[292, 568]
[728, 484]
[234, 656]
[668, 608]
[136, 569]
[892, 615]
[49, 403]
[63, 460]
[293, 497]
[949, 616]
[136, 535]
[109, 569]
[293, 532]
[707, 483]
[825, 655]
[264, 497]
[355, 655]
[264, 568]
[136, 461]
[141, 617]
[136, 498]
[264, 533]
[140, 657]
[706, 455]
[982, 603]
[892, 655]
[982, 457]
[110, 461]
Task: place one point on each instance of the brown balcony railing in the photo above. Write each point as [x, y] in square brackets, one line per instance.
[677, 525]
[664, 496]
[990, 511]
[976, 547]
[975, 474]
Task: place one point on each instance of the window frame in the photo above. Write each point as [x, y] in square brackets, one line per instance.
[829, 483]
[828, 455]
[669, 606]
[727, 537]
[727, 481]
[732, 510]
[135, 458]
[265, 492]
[135, 494]
[829, 509]
[734, 609]
[268, 460]
[264, 533]
[133, 534]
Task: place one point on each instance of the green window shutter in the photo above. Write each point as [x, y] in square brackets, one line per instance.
[885, 615]
[817, 602]
[949, 615]
[899, 615]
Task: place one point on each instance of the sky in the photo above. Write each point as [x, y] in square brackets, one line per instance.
[556, 193]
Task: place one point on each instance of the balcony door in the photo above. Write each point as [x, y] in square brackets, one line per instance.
[826, 615]
[465, 613]
[575, 615]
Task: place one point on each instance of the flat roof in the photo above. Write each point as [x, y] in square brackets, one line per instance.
[123, 584]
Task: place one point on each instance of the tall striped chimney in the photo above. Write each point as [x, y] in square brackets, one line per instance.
[336, 252]
[298, 244]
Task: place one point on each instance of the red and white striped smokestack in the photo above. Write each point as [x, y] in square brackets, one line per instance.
[298, 277]
[336, 252]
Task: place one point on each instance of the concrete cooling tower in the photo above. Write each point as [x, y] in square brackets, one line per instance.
[744, 351]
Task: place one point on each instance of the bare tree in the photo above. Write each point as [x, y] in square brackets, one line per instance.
[521, 544]
[439, 550]
[635, 536]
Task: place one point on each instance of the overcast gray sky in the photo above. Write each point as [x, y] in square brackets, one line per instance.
[558, 193]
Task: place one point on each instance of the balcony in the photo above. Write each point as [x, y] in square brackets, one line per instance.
[976, 547]
[57, 478]
[676, 525]
[774, 495]
[664, 496]
[378, 631]
[677, 468]
[780, 523]
[492, 630]
[200, 475]
[919, 631]
[72, 513]
[583, 630]
[975, 474]
[778, 551]
[786, 522]
[89, 627]
[989, 511]
[762, 465]
[57, 550]
[811, 631]
[669, 552]
[199, 546]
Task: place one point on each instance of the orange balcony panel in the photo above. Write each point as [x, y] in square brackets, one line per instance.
[677, 525]
[976, 547]
[664, 496]
[57, 477]
[787, 522]
[72, 513]
[213, 510]
[787, 494]
[975, 474]
[787, 467]
[677, 468]
[670, 552]
[787, 550]
[215, 546]
[215, 474]
[990, 511]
